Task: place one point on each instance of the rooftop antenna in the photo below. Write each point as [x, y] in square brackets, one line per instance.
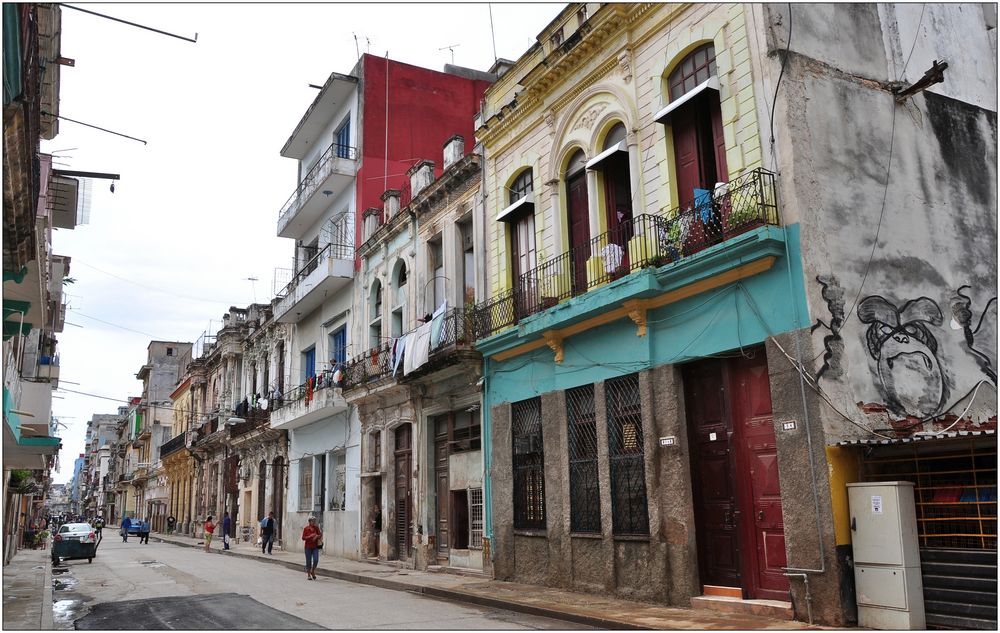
[452, 49]
[357, 49]
[253, 286]
[368, 49]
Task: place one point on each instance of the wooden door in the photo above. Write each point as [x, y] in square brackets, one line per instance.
[401, 525]
[763, 525]
[441, 479]
[686, 155]
[712, 474]
[579, 229]
[618, 207]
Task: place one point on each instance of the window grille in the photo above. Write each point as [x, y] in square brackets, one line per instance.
[584, 494]
[475, 518]
[528, 464]
[377, 451]
[955, 490]
[305, 484]
[694, 69]
[625, 455]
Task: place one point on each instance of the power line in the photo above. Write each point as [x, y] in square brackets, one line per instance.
[155, 289]
[122, 327]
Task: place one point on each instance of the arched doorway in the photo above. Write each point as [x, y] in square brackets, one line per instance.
[578, 219]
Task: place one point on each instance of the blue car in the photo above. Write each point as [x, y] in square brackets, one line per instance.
[138, 525]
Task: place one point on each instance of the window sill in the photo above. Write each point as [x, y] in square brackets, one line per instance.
[631, 537]
[590, 535]
[536, 533]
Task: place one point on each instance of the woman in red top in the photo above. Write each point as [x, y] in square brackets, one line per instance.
[209, 530]
[313, 537]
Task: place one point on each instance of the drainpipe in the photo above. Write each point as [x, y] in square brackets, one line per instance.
[487, 461]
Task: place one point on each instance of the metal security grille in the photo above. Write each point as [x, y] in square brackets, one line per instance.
[529, 464]
[475, 518]
[625, 456]
[955, 489]
[584, 494]
[305, 484]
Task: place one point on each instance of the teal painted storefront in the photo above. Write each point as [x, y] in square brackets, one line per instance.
[739, 314]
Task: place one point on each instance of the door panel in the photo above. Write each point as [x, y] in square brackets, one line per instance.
[685, 133]
[712, 475]
[401, 525]
[618, 206]
[761, 490]
[579, 228]
[442, 492]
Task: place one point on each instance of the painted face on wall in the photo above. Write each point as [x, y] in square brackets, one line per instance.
[906, 352]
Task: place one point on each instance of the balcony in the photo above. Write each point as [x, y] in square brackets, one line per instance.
[334, 171]
[301, 405]
[329, 271]
[377, 363]
[173, 445]
[719, 233]
[254, 419]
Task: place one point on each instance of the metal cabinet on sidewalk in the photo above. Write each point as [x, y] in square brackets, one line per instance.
[886, 555]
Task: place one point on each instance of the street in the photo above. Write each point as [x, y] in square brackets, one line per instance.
[163, 586]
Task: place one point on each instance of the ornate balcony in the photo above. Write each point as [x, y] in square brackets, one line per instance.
[307, 403]
[334, 171]
[647, 241]
[173, 445]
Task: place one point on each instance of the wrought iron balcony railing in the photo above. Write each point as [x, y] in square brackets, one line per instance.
[746, 203]
[377, 362]
[315, 177]
[337, 251]
[172, 445]
[255, 419]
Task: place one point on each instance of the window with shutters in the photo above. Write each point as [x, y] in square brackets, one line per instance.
[626, 456]
[475, 518]
[528, 464]
[584, 493]
[305, 484]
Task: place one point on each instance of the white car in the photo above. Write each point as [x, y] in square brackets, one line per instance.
[82, 532]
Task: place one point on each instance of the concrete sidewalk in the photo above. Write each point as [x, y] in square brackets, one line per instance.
[587, 609]
[27, 591]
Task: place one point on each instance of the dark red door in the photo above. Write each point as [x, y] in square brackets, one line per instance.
[442, 490]
[618, 205]
[762, 523]
[738, 516]
[579, 229]
[712, 472]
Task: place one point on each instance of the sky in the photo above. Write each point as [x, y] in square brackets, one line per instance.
[193, 216]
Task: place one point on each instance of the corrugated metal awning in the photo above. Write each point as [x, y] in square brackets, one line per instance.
[923, 437]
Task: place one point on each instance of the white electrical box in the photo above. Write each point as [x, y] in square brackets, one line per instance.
[887, 574]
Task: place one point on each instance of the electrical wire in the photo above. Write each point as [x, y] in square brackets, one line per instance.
[916, 35]
[155, 289]
[121, 327]
[959, 419]
[784, 60]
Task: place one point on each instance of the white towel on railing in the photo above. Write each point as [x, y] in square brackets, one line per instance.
[437, 321]
[612, 254]
[417, 349]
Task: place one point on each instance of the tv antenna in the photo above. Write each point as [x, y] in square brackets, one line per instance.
[452, 49]
[253, 286]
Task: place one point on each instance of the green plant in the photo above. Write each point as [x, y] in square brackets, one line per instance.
[746, 213]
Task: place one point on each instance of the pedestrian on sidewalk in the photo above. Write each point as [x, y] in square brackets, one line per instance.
[313, 537]
[227, 525]
[144, 532]
[171, 522]
[267, 528]
[126, 526]
[209, 530]
[99, 525]
[377, 526]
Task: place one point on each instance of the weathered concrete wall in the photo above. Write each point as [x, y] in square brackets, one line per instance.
[906, 327]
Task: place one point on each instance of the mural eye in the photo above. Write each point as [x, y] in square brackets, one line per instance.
[911, 330]
[886, 330]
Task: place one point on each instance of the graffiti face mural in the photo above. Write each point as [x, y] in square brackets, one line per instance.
[905, 351]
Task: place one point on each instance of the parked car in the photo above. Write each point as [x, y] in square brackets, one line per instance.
[74, 540]
[138, 525]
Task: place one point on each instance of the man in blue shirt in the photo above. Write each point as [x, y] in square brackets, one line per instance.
[227, 525]
[126, 526]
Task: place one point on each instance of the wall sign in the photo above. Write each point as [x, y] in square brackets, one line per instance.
[788, 425]
[876, 504]
[668, 441]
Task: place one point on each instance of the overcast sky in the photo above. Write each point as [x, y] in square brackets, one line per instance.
[195, 212]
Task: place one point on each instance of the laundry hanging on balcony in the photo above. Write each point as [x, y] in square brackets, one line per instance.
[612, 254]
[417, 352]
[398, 352]
[437, 323]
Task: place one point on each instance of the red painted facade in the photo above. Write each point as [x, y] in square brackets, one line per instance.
[426, 108]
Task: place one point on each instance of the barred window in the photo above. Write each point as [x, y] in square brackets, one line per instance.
[475, 518]
[305, 484]
[529, 464]
[625, 456]
[584, 494]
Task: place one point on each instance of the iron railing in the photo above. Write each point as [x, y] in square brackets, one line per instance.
[316, 175]
[377, 363]
[336, 251]
[746, 203]
[584, 492]
[528, 463]
[306, 391]
[627, 466]
[255, 419]
[173, 445]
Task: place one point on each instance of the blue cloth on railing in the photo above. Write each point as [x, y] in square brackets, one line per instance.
[398, 347]
[703, 204]
[437, 321]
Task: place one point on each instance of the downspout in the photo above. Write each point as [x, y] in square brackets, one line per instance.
[487, 461]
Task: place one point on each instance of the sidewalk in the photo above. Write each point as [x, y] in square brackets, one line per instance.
[580, 608]
[27, 591]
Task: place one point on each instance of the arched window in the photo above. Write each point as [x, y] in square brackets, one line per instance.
[696, 122]
[375, 315]
[398, 299]
[578, 218]
[521, 187]
[521, 228]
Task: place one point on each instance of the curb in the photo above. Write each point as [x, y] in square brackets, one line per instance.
[46, 621]
[447, 594]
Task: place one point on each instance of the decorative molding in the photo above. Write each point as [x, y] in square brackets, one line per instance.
[554, 340]
[636, 311]
[625, 64]
[586, 120]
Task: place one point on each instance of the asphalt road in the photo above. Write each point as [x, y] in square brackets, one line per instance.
[161, 586]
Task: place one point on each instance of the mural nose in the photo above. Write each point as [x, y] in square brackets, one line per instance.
[901, 338]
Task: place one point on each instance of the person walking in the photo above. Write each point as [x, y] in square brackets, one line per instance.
[98, 526]
[377, 527]
[209, 530]
[313, 537]
[268, 525]
[126, 526]
[227, 525]
[144, 532]
[171, 522]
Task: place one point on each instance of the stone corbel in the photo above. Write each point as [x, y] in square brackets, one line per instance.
[555, 341]
[637, 312]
